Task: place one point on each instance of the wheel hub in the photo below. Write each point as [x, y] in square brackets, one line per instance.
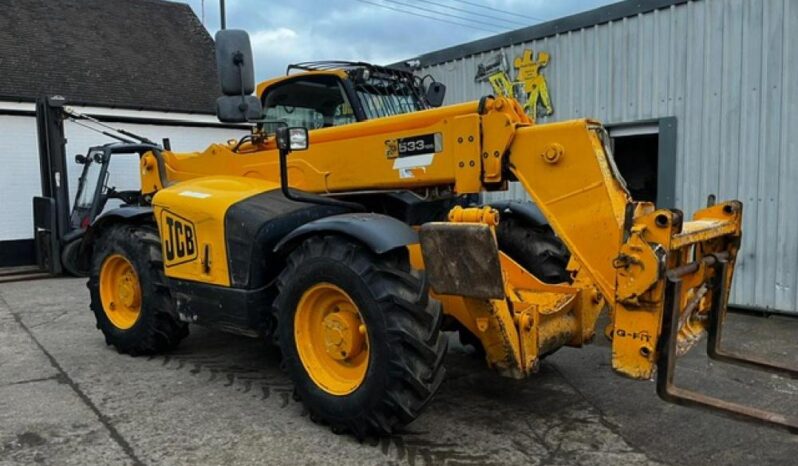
[331, 339]
[127, 290]
[120, 291]
[342, 336]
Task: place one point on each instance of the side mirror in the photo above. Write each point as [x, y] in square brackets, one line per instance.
[237, 78]
[238, 109]
[292, 139]
[234, 62]
[435, 93]
[81, 159]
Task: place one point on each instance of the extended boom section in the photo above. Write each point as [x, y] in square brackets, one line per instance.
[621, 251]
[622, 248]
[664, 280]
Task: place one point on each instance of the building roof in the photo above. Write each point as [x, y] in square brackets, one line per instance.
[139, 54]
[605, 14]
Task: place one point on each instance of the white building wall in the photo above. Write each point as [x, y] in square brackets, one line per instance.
[19, 158]
[728, 71]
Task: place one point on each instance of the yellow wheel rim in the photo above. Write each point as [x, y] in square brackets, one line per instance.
[120, 291]
[331, 339]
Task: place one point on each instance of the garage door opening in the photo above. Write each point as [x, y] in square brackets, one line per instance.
[636, 157]
[645, 155]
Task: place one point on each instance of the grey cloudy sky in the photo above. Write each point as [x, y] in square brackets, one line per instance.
[290, 31]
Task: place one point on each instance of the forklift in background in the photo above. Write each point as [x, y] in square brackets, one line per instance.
[59, 227]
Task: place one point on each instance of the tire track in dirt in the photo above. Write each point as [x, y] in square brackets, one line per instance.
[241, 367]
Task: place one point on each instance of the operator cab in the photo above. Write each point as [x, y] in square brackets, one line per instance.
[99, 191]
[312, 102]
[322, 94]
[97, 185]
[328, 94]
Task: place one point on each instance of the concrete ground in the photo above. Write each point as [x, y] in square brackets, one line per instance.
[66, 398]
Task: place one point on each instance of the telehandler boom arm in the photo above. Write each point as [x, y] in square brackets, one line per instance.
[664, 280]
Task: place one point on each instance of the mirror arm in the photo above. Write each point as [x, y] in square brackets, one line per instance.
[284, 175]
[239, 62]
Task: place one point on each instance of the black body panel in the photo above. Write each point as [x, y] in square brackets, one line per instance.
[125, 212]
[255, 225]
[262, 229]
[244, 312]
[411, 209]
[17, 252]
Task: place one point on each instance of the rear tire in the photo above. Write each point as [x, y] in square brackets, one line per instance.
[155, 329]
[535, 248]
[405, 347]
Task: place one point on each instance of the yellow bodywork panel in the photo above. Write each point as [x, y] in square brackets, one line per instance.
[190, 218]
[261, 87]
[528, 320]
[355, 156]
[564, 169]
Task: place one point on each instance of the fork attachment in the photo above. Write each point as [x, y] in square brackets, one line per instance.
[666, 363]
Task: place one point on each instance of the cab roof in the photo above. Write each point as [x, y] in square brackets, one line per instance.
[339, 68]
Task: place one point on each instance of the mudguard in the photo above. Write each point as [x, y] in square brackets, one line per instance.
[126, 213]
[380, 233]
[123, 214]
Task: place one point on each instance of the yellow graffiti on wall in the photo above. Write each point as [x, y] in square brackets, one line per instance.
[501, 84]
[534, 83]
[529, 85]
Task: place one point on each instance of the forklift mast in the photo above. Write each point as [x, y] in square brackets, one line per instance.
[51, 209]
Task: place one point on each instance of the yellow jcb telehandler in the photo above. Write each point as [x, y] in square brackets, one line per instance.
[346, 227]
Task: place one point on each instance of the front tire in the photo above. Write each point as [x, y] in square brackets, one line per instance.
[129, 296]
[359, 336]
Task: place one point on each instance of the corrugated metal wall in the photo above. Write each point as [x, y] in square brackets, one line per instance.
[728, 70]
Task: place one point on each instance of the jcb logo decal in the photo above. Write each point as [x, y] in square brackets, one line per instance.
[179, 239]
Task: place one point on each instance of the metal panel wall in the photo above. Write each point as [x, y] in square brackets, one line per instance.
[728, 71]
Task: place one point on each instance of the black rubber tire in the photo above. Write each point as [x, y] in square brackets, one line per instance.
[157, 329]
[69, 258]
[536, 248]
[406, 346]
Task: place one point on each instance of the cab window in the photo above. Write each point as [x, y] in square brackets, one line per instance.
[312, 102]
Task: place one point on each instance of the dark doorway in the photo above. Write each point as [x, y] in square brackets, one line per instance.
[645, 153]
[637, 158]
